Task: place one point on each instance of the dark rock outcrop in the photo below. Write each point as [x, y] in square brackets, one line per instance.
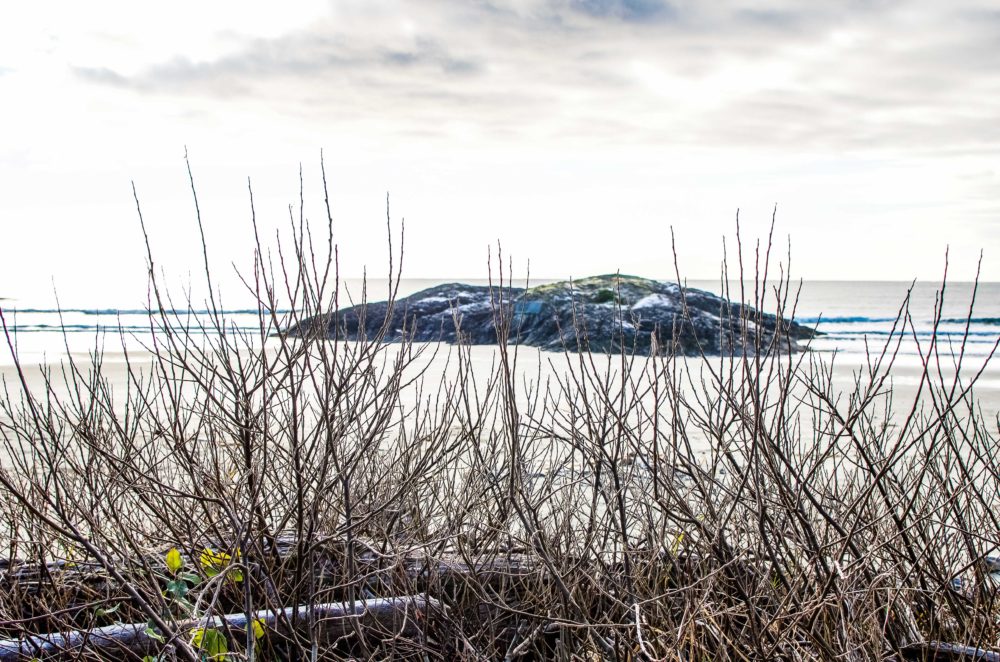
[601, 314]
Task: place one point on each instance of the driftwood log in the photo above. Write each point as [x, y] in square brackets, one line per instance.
[387, 614]
[398, 615]
[940, 652]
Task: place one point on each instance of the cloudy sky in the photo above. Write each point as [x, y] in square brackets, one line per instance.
[576, 133]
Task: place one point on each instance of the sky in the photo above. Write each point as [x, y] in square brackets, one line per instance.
[576, 135]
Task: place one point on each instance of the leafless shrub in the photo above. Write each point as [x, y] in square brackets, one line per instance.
[608, 507]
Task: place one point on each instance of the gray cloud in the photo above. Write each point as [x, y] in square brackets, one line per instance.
[854, 75]
[298, 56]
[629, 10]
[102, 75]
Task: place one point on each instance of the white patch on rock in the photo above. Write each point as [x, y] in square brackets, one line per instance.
[475, 306]
[654, 301]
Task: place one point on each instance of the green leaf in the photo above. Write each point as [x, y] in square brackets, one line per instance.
[188, 607]
[178, 588]
[191, 578]
[153, 634]
[101, 612]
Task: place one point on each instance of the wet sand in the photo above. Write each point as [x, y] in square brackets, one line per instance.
[535, 367]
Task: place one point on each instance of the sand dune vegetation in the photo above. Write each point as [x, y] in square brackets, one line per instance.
[265, 496]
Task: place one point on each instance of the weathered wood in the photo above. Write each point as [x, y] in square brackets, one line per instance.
[936, 651]
[397, 615]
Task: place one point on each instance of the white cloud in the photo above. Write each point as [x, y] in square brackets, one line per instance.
[527, 121]
[764, 73]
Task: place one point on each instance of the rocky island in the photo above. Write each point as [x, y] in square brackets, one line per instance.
[601, 314]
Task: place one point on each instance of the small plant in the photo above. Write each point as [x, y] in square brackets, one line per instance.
[604, 295]
[179, 583]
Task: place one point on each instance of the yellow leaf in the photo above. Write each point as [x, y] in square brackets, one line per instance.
[213, 563]
[174, 560]
[258, 627]
[211, 642]
[677, 543]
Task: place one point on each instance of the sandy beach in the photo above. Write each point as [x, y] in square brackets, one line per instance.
[906, 382]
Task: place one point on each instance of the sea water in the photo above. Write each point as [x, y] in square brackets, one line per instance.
[854, 318]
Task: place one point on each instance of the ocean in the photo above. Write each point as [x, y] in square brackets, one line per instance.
[854, 318]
